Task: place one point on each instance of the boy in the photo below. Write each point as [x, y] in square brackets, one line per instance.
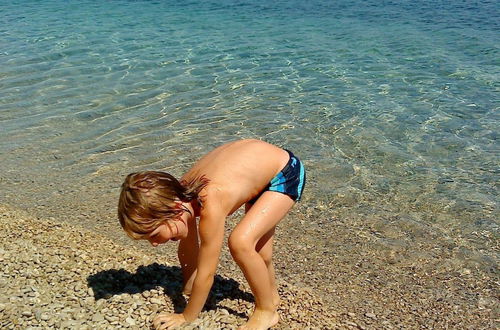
[156, 207]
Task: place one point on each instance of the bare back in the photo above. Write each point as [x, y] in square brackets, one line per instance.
[238, 171]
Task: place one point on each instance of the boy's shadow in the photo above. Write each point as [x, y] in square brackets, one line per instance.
[108, 283]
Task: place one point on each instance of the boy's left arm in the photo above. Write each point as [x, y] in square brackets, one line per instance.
[188, 258]
[211, 230]
[211, 238]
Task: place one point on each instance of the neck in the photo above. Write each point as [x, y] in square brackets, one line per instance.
[194, 209]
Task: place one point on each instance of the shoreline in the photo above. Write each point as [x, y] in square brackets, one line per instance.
[58, 274]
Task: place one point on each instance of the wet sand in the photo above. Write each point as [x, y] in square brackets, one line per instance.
[61, 275]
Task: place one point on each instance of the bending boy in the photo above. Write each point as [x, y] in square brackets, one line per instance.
[157, 207]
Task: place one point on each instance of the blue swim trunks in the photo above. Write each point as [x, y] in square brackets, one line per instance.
[289, 181]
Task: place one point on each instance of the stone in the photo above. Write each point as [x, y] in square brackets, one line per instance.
[38, 314]
[130, 321]
[156, 301]
[370, 315]
[26, 313]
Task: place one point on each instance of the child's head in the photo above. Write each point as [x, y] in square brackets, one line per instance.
[149, 199]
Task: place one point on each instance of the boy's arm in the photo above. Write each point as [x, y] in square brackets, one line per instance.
[188, 257]
[211, 229]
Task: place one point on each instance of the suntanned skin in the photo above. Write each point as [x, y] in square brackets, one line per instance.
[238, 172]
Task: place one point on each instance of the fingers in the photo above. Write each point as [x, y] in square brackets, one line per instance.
[163, 326]
[159, 319]
[168, 321]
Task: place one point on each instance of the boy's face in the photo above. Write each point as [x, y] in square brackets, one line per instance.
[174, 230]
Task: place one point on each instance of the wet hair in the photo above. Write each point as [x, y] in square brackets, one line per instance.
[150, 199]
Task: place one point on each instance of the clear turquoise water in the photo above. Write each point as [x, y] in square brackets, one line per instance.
[393, 105]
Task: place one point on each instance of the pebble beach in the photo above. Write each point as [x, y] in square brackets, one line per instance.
[60, 275]
[392, 106]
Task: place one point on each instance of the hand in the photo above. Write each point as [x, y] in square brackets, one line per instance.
[168, 321]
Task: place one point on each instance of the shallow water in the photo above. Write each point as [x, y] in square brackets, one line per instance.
[393, 107]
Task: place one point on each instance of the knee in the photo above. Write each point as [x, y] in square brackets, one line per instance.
[240, 246]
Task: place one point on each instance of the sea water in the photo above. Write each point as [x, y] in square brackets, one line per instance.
[392, 105]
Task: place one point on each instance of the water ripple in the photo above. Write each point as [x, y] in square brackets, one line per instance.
[392, 106]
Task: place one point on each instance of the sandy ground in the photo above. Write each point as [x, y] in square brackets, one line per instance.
[55, 274]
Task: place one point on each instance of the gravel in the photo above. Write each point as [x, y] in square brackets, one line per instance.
[56, 275]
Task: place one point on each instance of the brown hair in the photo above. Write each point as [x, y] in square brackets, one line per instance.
[149, 199]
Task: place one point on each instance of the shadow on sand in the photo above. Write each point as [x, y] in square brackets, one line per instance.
[108, 283]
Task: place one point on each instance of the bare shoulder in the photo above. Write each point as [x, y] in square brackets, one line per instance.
[214, 210]
[213, 198]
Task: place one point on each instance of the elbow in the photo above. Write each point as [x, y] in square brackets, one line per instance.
[206, 277]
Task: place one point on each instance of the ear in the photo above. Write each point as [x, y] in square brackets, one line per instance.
[178, 204]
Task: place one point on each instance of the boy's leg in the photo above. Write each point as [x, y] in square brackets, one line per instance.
[265, 248]
[251, 246]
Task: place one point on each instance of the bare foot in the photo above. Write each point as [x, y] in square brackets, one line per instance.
[261, 320]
